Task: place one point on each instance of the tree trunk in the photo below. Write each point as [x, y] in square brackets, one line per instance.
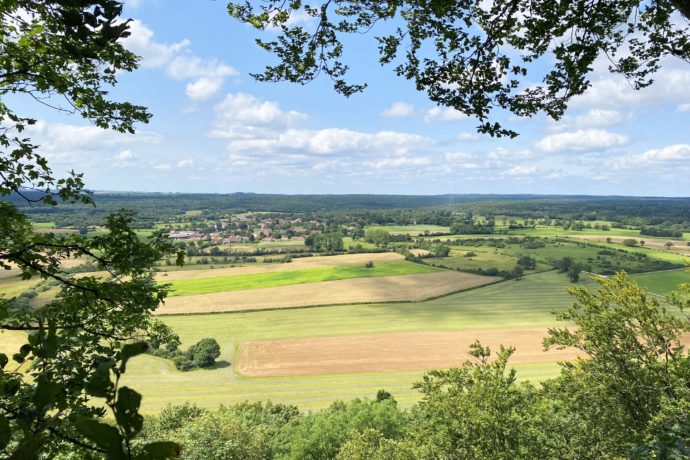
[683, 6]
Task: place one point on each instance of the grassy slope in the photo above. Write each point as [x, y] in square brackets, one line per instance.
[663, 282]
[310, 275]
[526, 303]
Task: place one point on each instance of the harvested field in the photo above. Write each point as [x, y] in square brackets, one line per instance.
[406, 351]
[356, 290]
[301, 263]
[679, 246]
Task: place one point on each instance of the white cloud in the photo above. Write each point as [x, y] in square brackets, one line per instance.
[179, 62]
[255, 126]
[684, 107]
[598, 117]
[521, 171]
[465, 136]
[125, 155]
[581, 140]
[458, 156]
[677, 152]
[399, 110]
[61, 137]
[162, 167]
[400, 162]
[203, 89]
[153, 54]
[243, 116]
[614, 91]
[186, 163]
[443, 114]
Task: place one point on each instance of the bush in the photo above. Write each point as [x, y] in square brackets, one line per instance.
[204, 353]
[369, 264]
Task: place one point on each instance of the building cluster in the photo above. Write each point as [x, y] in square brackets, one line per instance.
[244, 228]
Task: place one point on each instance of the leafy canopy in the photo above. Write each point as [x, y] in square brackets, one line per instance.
[55, 389]
[474, 56]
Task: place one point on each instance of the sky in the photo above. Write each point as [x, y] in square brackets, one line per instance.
[215, 129]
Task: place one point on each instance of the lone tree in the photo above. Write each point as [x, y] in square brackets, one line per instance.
[54, 389]
[476, 56]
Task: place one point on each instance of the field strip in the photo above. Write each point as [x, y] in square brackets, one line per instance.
[284, 278]
[650, 242]
[406, 351]
[300, 263]
[412, 288]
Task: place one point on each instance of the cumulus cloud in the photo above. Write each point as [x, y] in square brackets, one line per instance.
[186, 163]
[61, 137]
[443, 114]
[399, 162]
[399, 110]
[520, 171]
[125, 155]
[684, 107]
[594, 118]
[244, 116]
[179, 62]
[582, 140]
[257, 126]
[614, 91]
[667, 154]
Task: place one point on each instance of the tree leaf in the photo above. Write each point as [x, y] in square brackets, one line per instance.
[131, 350]
[161, 450]
[104, 436]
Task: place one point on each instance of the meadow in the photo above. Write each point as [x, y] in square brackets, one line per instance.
[663, 282]
[184, 287]
[527, 303]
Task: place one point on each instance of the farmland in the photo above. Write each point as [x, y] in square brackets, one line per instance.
[288, 277]
[303, 324]
[524, 304]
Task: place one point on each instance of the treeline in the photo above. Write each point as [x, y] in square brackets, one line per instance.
[656, 213]
[626, 398]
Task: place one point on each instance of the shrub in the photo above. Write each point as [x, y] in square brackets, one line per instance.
[369, 264]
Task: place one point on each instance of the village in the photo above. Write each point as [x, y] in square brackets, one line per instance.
[249, 228]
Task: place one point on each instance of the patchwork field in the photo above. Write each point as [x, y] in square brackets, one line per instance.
[186, 287]
[412, 229]
[678, 246]
[408, 351]
[509, 309]
[355, 290]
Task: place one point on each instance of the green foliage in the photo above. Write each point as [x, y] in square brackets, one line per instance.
[636, 367]
[79, 343]
[320, 435]
[377, 236]
[497, 420]
[473, 57]
[326, 242]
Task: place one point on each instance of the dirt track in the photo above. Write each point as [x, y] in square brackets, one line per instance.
[387, 352]
[355, 290]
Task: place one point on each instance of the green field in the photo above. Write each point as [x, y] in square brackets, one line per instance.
[483, 259]
[282, 278]
[411, 229]
[511, 304]
[663, 282]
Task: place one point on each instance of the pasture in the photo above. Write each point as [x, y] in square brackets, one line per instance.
[185, 287]
[404, 288]
[505, 307]
[663, 282]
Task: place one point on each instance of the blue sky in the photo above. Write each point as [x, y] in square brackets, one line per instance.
[217, 130]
